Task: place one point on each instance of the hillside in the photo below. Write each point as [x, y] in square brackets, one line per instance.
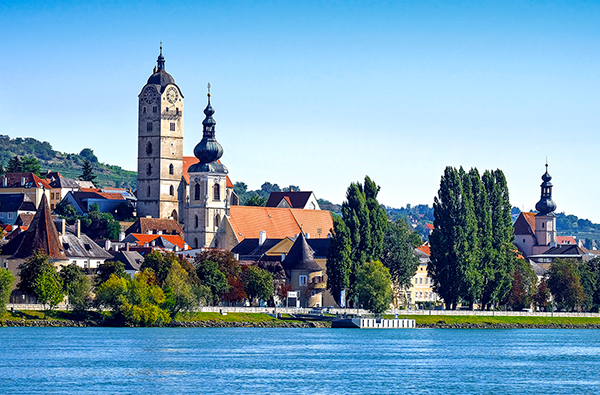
[69, 165]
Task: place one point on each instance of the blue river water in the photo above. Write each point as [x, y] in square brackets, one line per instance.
[298, 361]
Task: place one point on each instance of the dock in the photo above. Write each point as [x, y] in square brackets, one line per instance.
[373, 323]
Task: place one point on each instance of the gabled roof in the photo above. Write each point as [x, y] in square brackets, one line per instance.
[82, 197]
[191, 160]
[278, 223]
[300, 257]
[16, 202]
[425, 249]
[131, 259]
[161, 241]
[14, 180]
[565, 250]
[24, 219]
[429, 226]
[294, 199]
[525, 224]
[41, 235]
[154, 225]
[63, 182]
[251, 247]
[82, 247]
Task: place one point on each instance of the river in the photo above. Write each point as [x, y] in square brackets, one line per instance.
[298, 361]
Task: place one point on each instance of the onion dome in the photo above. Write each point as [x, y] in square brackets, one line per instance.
[208, 151]
[546, 205]
[160, 75]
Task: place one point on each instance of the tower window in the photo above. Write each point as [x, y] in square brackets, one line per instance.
[144, 110]
[149, 126]
[149, 169]
[197, 192]
[216, 192]
[177, 111]
[171, 190]
[149, 148]
[148, 190]
[217, 221]
[195, 242]
[154, 109]
[172, 126]
[171, 170]
[196, 221]
[167, 109]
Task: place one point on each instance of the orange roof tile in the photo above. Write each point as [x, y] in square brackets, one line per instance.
[111, 195]
[89, 189]
[249, 221]
[566, 240]
[190, 160]
[425, 248]
[530, 218]
[143, 239]
[429, 226]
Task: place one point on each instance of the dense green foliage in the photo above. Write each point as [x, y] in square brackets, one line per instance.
[258, 284]
[87, 172]
[258, 197]
[564, 282]
[69, 165]
[6, 282]
[398, 255]
[374, 287]
[472, 257]
[48, 288]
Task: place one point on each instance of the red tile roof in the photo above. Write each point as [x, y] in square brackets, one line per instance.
[429, 226]
[173, 239]
[566, 240]
[525, 224]
[190, 160]
[153, 225]
[249, 221]
[13, 180]
[425, 248]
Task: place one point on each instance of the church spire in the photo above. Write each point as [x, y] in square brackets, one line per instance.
[161, 60]
[546, 205]
[208, 150]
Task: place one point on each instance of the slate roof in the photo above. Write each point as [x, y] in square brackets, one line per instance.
[16, 202]
[161, 78]
[82, 247]
[250, 247]
[191, 160]
[278, 223]
[539, 271]
[565, 249]
[295, 199]
[64, 183]
[153, 225]
[131, 259]
[13, 180]
[41, 234]
[300, 257]
[25, 219]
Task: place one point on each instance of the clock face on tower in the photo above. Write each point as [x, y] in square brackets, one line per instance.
[149, 95]
[172, 95]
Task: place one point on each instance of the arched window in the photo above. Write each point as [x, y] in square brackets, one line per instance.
[149, 169]
[197, 192]
[217, 221]
[171, 170]
[144, 110]
[216, 192]
[171, 190]
[196, 221]
[174, 214]
[149, 148]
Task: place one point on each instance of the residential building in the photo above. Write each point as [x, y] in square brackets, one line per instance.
[293, 199]
[13, 205]
[107, 202]
[28, 184]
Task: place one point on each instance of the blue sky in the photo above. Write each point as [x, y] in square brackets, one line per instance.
[320, 94]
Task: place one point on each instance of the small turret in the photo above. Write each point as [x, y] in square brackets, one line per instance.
[546, 205]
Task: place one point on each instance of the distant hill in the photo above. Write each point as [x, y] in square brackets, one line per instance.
[69, 165]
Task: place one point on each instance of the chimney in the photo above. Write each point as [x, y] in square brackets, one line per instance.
[126, 246]
[78, 234]
[185, 246]
[262, 236]
[4, 182]
[159, 232]
[282, 257]
[108, 245]
[307, 236]
[22, 181]
[63, 227]
[149, 232]
[121, 236]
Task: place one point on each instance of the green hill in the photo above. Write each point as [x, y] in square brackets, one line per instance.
[69, 165]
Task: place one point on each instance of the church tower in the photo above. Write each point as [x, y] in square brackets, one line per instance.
[160, 145]
[209, 199]
[545, 220]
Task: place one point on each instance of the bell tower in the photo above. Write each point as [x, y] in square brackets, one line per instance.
[209, 199]
[160, 145]
[545, 220]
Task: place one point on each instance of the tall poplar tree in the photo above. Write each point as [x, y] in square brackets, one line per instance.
[338, 259]
[378, 219]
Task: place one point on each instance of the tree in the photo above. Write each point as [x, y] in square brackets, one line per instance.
[590, 280]
[178, 290]
[88, 154]
[258, 284]
[65, 209]
[6, 282]
[256, 200]
[48, 289]
[338, 259]
[398, 255]
[374, 287]
[159, 263]
[87, 172]
[564, 283]
[69, 275]
[30, 165]
[210, 276]
[377, 219]
[542, 296]
[80, 294]
[30, 269]
[14, 165]
[107, 269]
[523, 286]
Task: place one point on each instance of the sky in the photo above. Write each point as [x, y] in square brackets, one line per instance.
[321, 93]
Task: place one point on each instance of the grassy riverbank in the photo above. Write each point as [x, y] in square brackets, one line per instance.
[483, 320]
